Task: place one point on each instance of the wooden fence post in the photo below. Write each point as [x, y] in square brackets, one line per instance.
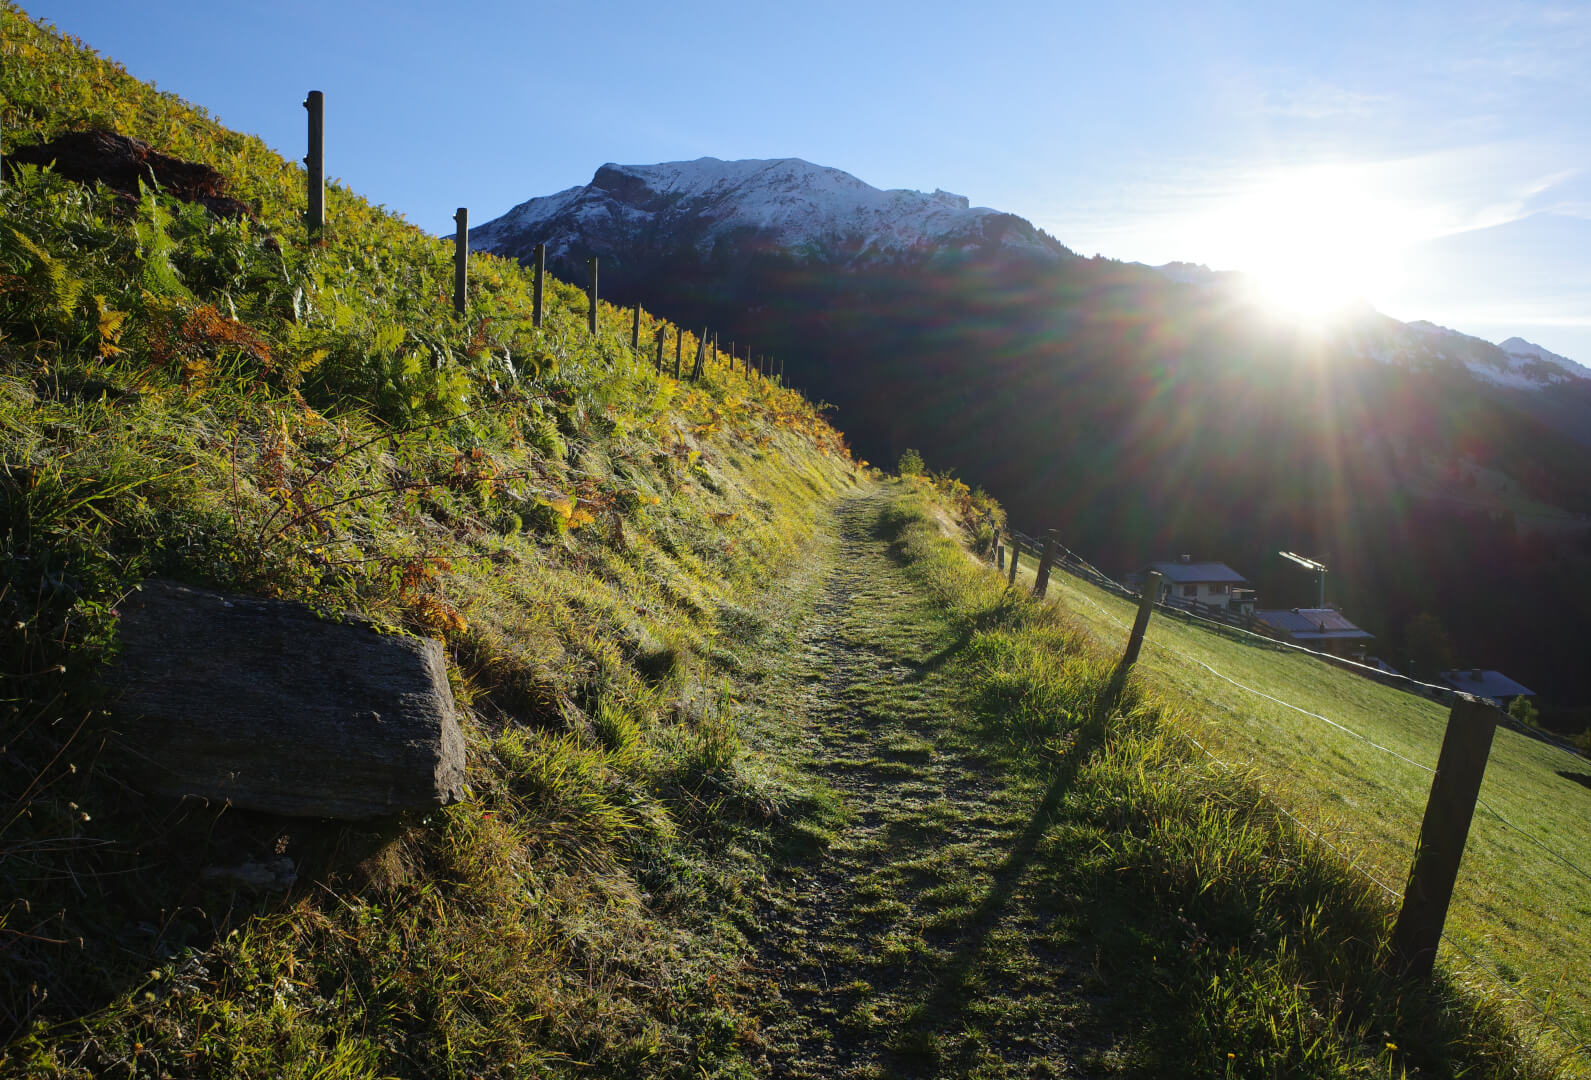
[1041, 584]
[1454, 789]
[1146, 606]
[315, 161]
[635, 329]
[679, 343]
[701, 356]
[591, 315]
[661, 335]
[999, 555]
[461, 257]
[541, 276]
[781, 370]
[1016, 553]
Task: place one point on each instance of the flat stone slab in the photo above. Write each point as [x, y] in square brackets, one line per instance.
[265, 705]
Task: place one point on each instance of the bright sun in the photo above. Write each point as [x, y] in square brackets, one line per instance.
[1312, 241]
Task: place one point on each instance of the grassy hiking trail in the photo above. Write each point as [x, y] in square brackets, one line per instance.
[1009, 863]
[766, 777]
[928, 869]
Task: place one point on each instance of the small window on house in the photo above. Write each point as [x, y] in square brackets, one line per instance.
[1190, 590]
[1219, 590]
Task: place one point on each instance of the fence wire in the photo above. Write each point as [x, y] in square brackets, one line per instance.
[1401, 682]
[1557, 856]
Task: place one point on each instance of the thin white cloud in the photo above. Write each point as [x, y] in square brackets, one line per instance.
[1320, 102]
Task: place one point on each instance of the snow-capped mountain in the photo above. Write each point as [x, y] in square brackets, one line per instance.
[690, 229]
[1536, 363]
[642, 212]
[1515, 364]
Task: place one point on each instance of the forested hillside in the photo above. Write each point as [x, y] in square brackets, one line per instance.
[1146, 417]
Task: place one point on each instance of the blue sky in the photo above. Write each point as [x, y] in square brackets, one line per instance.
[1434, 158]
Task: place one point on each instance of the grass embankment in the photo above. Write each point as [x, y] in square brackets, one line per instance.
[1227, 942]
[1521, 915]
[235, 404]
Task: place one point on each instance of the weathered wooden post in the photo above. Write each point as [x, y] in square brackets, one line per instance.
[1471, 723]
[661, 335]
[781, 371]
[591, 315]
[540, 278]
[1146, 606]
[701, 356]
[635, 329]
[461, 257]
[1041, 582]
[999, 555]
[1016, 553]
[315, 161]
[679, 343]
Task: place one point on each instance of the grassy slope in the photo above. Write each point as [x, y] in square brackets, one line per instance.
[199, 399]
[1227, 941]
[1522, 912]
[234, 404]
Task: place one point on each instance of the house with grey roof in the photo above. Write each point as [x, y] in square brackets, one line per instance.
[1321, 628]
[1212, 584]
[1486, 684]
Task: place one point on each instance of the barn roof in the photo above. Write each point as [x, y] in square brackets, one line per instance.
[1181, 573]
[1489, 684]
[1312, 624]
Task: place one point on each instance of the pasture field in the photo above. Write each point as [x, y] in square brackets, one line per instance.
[1520, 924]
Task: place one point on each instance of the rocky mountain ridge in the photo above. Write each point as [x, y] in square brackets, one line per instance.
[780, 204]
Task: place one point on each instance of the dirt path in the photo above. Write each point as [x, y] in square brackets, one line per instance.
[927, 939]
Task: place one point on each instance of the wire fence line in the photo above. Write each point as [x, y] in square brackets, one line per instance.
[1091, 573]
[1476, 965]
[1559, 857]
[1396, 680]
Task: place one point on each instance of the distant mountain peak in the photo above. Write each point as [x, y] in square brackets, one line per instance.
[765, 204]
[1524, 352]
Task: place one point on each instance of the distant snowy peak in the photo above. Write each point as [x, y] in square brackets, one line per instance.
[777, 204]
[1186, 273]
[1423, 346]
[1531, 357]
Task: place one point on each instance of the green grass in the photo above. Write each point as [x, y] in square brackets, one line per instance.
[239, 405]
[1235, 942]
[674, 685]
[1523, 915]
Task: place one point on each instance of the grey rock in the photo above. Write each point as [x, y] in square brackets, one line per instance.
[275, 875]
[265, 705]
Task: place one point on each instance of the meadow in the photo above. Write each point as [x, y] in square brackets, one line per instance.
[1349, 758]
